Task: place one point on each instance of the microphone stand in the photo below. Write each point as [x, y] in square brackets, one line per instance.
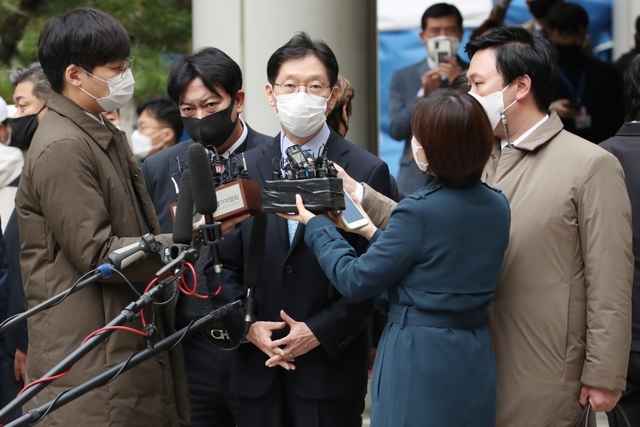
[102, 272]
[128, 314]
[167, 343]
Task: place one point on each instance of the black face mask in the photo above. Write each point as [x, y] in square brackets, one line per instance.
[540, 8]
[214, 129]
[569, 54]
[23, 129]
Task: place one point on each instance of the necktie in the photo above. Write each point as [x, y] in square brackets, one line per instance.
[292, 227]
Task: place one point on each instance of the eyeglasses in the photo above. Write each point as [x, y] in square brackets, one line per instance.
[127, 66]
[315, 89]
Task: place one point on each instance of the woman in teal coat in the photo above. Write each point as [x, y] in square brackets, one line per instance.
[434, 269]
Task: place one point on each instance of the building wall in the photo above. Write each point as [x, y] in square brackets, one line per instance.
[625, 13]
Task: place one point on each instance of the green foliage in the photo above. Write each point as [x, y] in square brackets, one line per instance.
[159, 30]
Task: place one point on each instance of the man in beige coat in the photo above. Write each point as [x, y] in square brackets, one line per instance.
[82, 196]
[561, 319]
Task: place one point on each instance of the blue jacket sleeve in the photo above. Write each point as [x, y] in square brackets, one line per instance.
[389, 257]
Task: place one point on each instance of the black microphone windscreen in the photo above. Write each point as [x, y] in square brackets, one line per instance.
[257, 245]
[202, 185]
[183, 225]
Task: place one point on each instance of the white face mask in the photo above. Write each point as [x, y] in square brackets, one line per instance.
[432, 41]
[300, 113]
[120, 91]
[141, 145]
[493, 105]
[422, 166]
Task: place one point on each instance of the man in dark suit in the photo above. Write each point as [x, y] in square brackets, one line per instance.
[623, 62]
[625, 145]
[306, 362]
[207, 87]
[588, 92]
[441, 26]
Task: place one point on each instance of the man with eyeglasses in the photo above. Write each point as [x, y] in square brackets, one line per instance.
[82, 196]
[305, 364]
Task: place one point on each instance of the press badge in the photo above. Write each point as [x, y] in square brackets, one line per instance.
[583, 121]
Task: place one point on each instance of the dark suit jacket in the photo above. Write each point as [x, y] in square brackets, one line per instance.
[293, 281]
[603, 100]
[625, 145]
[405, 84]
[17, 337]
[159, 168]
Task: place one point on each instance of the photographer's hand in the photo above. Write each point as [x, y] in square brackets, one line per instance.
[450, 69]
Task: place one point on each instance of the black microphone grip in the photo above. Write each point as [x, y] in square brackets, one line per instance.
[183, 226]
[255, 262]
[202, 185]
[204, 197]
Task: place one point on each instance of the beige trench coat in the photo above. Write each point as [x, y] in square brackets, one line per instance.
[80, 197]
[561, 316]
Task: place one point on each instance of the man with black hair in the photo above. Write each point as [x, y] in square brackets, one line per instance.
[82, 196]
[625, 145]
[207, 88]
[588, 92]
[159, 127]
[32, 90]
[623, 62]
[559, 322]
[306, 362]
[441, 24]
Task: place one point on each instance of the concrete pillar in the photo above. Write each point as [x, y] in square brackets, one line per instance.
[249, 31]
[625, 13]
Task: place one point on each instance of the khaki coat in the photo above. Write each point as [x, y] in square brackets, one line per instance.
[561, 316]
[81, 196]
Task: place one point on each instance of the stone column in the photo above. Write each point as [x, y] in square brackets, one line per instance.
[625, 13]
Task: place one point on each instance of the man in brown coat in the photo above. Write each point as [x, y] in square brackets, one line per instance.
[81, 197]
[561, 319]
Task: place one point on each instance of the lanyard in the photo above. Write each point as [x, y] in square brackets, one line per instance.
[582, 84]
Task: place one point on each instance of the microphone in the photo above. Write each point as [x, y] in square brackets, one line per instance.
[204, 197]
[255, 261]
[183, 226]
[125, 256]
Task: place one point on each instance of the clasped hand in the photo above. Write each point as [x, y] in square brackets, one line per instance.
[283, 352]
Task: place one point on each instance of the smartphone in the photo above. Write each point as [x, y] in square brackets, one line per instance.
[443, 50]
[352, 217]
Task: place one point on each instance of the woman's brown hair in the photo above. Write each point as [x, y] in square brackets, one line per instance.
[454, 131]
